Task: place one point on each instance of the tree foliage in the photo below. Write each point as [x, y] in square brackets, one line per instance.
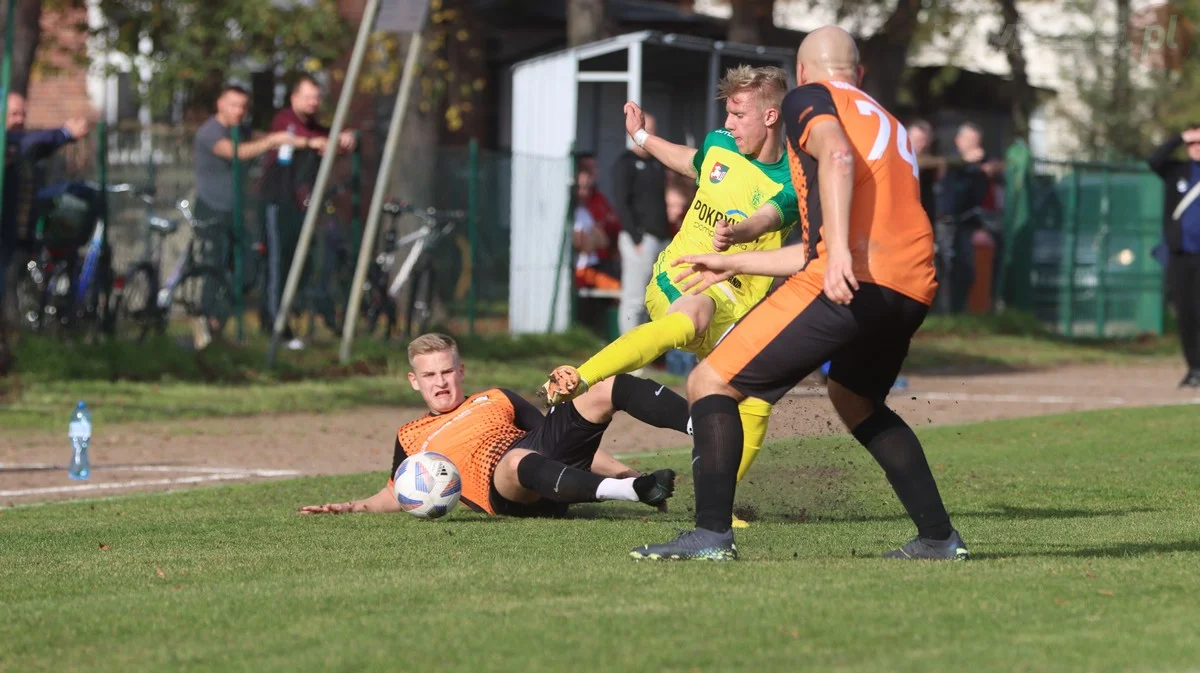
[1128, 91]
[451, 74]
[195, 45]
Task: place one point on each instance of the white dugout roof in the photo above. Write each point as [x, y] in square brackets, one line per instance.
[572, 101]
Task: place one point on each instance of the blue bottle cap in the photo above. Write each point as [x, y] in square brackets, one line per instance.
[80, 405]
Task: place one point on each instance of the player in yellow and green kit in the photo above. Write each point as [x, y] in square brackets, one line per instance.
[744, 201]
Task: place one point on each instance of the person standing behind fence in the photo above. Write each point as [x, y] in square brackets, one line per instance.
[287, 185]
[960, 199]
[589, 238]
[213, 163]
[640, 187]
[932, 168]
[22, 179]
[604, 215]
[1181, 233]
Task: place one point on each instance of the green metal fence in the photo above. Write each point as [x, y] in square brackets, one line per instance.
[472, 266]
[1078, 245]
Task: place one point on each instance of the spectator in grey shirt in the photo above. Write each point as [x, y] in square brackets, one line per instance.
[214, 160]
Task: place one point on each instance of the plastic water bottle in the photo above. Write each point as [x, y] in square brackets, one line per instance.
[80, 432]
[285, 152]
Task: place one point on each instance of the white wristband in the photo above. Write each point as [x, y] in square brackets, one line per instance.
[640, 137]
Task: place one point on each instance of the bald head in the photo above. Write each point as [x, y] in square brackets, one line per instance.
[828, 53]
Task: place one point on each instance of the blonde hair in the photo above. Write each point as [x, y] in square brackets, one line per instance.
[769, 83]
[433, 342]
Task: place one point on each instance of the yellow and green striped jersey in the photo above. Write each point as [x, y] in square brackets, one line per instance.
[733, 186]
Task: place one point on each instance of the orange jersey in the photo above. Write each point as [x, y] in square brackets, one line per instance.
[474, 437]
[891, 238]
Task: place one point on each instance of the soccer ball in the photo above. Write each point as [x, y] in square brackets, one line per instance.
[427, 485]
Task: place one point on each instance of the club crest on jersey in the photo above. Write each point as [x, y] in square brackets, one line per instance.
[718, 173]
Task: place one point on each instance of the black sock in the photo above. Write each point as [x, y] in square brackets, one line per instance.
[554, 481]
[650, 402]
[716, 455]
[898, 451]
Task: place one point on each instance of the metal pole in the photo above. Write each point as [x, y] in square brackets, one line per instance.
[356, 191]
[1102, 254]
[714, 71]
[381, 185]
[472, 228]
[238, 236]
[562, 253]
[102, 178]
[1069, 257]
[317, 202]
[5, 85]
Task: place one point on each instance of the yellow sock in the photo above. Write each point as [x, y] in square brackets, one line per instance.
[639, 347]
[755, 413]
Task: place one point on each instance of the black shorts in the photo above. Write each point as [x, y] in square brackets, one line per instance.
[796, 329]
[563, 436]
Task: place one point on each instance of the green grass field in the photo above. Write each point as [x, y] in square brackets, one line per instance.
[1085, 530]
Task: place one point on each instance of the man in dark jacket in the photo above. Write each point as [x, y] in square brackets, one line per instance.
[1181, 232]
[959, 201]
[288, 177]
[21, 181]
[640, 197]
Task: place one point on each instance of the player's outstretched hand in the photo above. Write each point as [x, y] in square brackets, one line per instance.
[635, 119]
[328, 508]
[703, 271]
[840, 282]
[723, 236]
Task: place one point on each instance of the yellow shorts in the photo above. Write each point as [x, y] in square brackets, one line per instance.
[662, 292]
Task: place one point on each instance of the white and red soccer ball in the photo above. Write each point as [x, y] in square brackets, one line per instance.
[427, 485]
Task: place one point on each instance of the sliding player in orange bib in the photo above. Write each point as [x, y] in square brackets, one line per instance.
[744, 201]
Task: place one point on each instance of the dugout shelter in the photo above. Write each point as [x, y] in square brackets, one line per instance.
[571, 101]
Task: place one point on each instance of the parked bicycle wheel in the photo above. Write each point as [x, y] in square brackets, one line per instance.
[204, 291]
[28, 301]
[138, 310]
[90, 317]
[421, 303]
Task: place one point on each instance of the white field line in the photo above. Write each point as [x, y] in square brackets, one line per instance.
[199, 469]
[212, 474]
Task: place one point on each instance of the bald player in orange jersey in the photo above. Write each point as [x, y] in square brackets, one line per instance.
[514, 461]
[859, 286]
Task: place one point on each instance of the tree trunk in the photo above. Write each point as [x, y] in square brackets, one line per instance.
[1022, 99]
[753, 21]
[885, 54]
[27, 33]
[585, 21]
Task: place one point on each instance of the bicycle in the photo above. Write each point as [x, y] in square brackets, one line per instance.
[419, 265]
[56, 290]
[203, 290]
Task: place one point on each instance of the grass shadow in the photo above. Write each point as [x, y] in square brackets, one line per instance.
[1001, 512]
[603, 512]
[966, 345]
[1117, 550]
